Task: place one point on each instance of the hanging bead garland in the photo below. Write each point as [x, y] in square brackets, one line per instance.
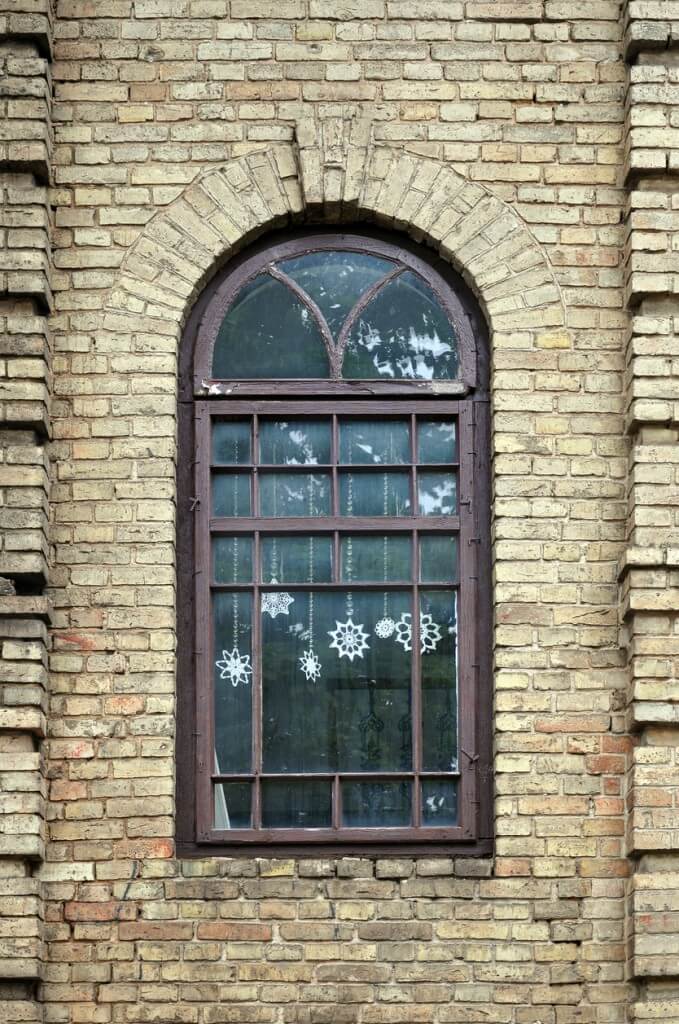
[309, 662]
[233, 665]
[349, 638]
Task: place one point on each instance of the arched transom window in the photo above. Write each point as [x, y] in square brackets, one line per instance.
[334, 536]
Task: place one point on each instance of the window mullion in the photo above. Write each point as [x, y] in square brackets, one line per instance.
[204, 642]
[256, 641]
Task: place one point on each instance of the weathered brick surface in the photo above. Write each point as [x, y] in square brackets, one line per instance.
[502, 135]
[650, 599]
[25, 301]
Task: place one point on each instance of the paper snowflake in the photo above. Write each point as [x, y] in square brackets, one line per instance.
[235, 667]
[404, 632]
[310, 665]
[385, 628]
[349, 639]
[277, 603]
[430, 634]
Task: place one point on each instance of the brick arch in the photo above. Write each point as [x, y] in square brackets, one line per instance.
[229, 206]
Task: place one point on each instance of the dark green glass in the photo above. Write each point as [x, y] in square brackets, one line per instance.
[375, 494]
[295, 559]
[296, 804]
[402, 333]
[353, 714]
[436, 493]
[376, 804]
[436, 441]
[233, 802]
[294, 494]
[438, 666]
[231, 494]
[438, 558]
[439, 802]
[374, 442]
[232, 559]
[232, 674]
[375, 557]
[301, 442]
[269, 333]
[231, 442]
[335, 280]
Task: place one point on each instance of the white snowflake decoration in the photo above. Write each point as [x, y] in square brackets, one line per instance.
[277, 603]
[385, 628]
[349, 639]
[310, 665]
[430, 633]
[404, 632]
[235, 667]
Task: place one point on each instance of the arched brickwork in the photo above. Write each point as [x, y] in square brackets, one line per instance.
[229, 206]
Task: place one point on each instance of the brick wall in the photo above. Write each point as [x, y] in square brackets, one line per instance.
[532, 144]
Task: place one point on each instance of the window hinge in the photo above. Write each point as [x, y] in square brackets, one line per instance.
[474, 540]
[195, 503]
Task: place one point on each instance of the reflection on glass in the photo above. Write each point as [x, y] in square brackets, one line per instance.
[438, 558]
[437, 493]
[354, 713]
[296, 804]
[295, 559]
[436, 441]
[232, 661]
[335, 280]
[439, 802]
[375, 494]
[294, 494]
[376, 804]
[232, 559]
[374, 441]
[438, 621]
[232, 805]
[374, 557]
[295, 442]
[231, 442]
[231, 494]
[268, 332]
[402, 332]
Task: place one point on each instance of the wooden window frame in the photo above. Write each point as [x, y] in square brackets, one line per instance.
[201, 400]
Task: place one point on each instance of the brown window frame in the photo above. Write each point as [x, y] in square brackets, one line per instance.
[202, 399]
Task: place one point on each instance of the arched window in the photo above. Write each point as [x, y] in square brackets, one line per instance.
[334, 683]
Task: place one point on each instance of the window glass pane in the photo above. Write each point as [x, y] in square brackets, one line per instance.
[438, 643]
[375, 557]
[295, 804]
[232, 660]
[376, 804]
[231, 494]
[232, 805]
[402, 332]
[336, 280]
[436, 441]
[437, 493]
[374, 441]
[439, 802]
[268, 332]
[294, 494]
[296, 559]
[374, 494]
[232, 559]
[231, 442]
[336, 683]
[295, 442]
[438, 558]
